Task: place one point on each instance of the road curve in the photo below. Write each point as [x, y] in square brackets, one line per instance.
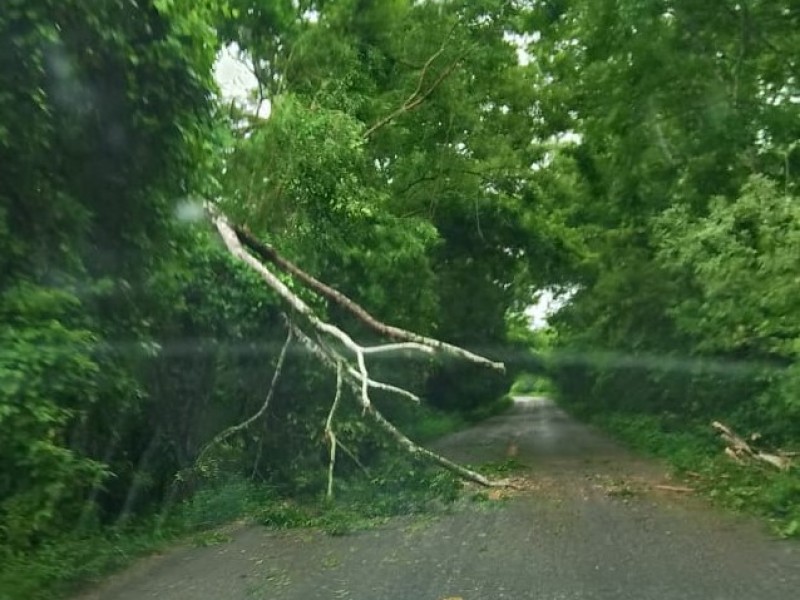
[593, 526]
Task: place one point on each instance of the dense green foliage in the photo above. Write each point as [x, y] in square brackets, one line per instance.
[129, 337]
[642, 157]
[688, 119]
[404, 200]
[102, 119]
[684, 306]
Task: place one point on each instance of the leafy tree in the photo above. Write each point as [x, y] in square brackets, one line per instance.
[130, 336]
[103, 110]
[740, 262]
[685, 124]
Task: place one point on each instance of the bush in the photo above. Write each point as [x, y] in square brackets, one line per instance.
[60, 563]
[430, 424]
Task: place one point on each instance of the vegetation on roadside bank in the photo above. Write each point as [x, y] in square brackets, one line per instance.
[695, 453]
[683, 305]
[67, 564]
[688, 444]
[398, 487]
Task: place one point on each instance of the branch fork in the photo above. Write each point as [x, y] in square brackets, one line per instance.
[351, 370]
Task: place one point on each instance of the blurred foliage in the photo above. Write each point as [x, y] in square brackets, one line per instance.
[698, 459]
[396, 161]
[104, 111]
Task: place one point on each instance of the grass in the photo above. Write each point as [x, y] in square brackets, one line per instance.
[430, 424]
[697, 457]
[56, 568]
[401, 487]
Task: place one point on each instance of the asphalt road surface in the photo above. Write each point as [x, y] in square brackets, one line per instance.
[592, 525]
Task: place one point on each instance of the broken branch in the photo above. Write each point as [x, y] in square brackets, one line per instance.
[330, 435]
[358, 379]
[235, 247]
[268, 253]
[331, 362]
[740, 451]
[397, 348]
[222, 436]
[386, 387]
[675, 488]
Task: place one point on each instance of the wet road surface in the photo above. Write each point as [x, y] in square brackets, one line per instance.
[591, 526]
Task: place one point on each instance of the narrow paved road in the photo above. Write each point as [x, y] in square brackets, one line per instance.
[593, 526]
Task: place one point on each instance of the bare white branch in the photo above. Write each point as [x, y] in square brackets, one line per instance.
[386, 387]
[222, 436]
[235, 247]
[397, 348]
[268, 253]
[331, 361]
[357, 378]
[330, 435]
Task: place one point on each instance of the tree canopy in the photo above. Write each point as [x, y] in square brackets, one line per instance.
[439, 163]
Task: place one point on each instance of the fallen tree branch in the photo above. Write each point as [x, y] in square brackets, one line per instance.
[357, 378]
[331, 360]
[235, 247]
[387, 387]
[740, 451]
[397, 347]
[222, 436]
[330, 435]
[353, 457]
[268, 253]
[378, 385]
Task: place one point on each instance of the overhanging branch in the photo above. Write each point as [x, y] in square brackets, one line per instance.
[406, 443]
[356, 376]
[330, 434]
[419, 95]
[268, 253]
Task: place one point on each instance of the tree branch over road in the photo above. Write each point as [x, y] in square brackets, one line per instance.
[353, 370]
[268, 253]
